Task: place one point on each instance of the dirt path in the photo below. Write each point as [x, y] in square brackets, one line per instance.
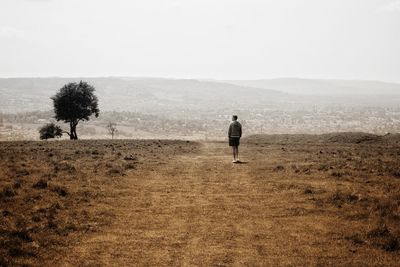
[204, 210]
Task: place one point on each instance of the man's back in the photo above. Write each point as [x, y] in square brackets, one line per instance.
[235, 129]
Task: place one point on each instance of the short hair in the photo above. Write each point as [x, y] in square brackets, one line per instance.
[235, 117]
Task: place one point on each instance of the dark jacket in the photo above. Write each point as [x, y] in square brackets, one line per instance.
[235, 129]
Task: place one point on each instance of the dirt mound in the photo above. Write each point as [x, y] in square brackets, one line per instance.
[344, 138]
[281, 138]
[391, 138]
[352, 138]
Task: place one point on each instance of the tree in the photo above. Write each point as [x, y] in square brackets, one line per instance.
[112, 129]
[75, 102]
[50, 130]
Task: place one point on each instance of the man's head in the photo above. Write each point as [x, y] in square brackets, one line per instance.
[234, 117]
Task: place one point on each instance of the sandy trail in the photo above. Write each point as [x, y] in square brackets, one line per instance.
[203, 210]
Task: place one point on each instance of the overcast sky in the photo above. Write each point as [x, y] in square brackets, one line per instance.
[221, 39]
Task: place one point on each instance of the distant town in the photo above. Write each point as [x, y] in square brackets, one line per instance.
[315, 120]
[202, 110]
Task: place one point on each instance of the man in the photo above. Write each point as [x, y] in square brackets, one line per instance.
[234, 134]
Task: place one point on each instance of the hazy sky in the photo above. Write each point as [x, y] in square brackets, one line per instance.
[222, 39]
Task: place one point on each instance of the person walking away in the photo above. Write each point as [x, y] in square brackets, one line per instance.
[234, 134]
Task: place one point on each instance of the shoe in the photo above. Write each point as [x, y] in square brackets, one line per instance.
[238, 161]
[234, 161]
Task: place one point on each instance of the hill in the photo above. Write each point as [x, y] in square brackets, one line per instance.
[152, 95]
[175, 96]
[323, 87]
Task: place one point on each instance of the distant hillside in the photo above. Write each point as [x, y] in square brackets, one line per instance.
[197, 98]
[144, 94]
[323, 87]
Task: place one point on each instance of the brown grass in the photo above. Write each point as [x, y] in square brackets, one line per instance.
[296, 201]
[52, 194]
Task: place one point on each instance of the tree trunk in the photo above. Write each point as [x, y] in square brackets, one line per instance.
[73, 135]
[76, 135]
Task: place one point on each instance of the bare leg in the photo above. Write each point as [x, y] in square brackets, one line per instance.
[237, 153]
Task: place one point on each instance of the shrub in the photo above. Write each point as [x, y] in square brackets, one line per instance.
[50, 130]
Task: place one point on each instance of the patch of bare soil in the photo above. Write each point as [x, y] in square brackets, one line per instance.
[295, 201]
[52, 194]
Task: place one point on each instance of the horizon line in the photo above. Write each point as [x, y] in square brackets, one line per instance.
[199, 79]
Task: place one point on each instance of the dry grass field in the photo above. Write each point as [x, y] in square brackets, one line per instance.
[296, 200]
